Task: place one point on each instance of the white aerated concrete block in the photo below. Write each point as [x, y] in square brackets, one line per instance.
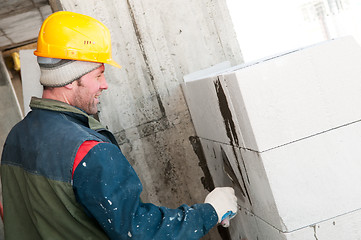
[292, 191]
[297, 95]
[316, 178]
[212, 111]
[295, 185]
[279, 100]
[344, 227]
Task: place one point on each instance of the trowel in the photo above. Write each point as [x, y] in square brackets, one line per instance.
[237, 187]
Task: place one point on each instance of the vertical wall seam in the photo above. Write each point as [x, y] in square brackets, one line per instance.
[141, 46]
[2, 31]
[56, 5]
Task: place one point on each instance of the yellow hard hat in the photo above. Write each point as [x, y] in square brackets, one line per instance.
[68, 35]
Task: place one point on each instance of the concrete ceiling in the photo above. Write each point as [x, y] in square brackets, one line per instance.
[20, 21]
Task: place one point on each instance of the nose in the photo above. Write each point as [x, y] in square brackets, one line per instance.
[103, 83]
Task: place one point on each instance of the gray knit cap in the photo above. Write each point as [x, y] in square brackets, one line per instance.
[60, 72]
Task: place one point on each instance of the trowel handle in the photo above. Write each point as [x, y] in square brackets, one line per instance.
[226, 219]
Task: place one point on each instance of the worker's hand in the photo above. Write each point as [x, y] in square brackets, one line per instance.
[223, 200]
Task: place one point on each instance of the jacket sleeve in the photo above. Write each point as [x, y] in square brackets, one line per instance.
[109, 190]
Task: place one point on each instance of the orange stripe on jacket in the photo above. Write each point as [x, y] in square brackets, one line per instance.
[82, 151]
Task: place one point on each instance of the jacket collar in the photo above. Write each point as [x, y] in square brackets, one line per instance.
[54, 105]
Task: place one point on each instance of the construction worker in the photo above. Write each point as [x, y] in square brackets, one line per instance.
[63, 174]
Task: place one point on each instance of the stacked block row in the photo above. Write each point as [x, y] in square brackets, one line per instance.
[288, 129]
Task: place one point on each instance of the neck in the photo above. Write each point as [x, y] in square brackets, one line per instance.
[56, 94]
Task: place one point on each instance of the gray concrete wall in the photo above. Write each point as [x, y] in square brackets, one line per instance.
[157, 43]
[30, 75]
[10, 113]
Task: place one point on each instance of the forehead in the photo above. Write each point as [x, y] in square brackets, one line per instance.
[94, 73]
[99, 69]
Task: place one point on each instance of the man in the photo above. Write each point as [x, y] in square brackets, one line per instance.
[63, 174]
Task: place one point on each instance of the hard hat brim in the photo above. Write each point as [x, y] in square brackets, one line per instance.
[113, 63]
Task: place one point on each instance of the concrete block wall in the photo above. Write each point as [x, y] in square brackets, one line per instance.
[289, 127]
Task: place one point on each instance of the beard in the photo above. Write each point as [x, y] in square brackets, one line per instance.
[85, 100]
[88, 105]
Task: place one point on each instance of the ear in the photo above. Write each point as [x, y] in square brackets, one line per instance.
[70, 85]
